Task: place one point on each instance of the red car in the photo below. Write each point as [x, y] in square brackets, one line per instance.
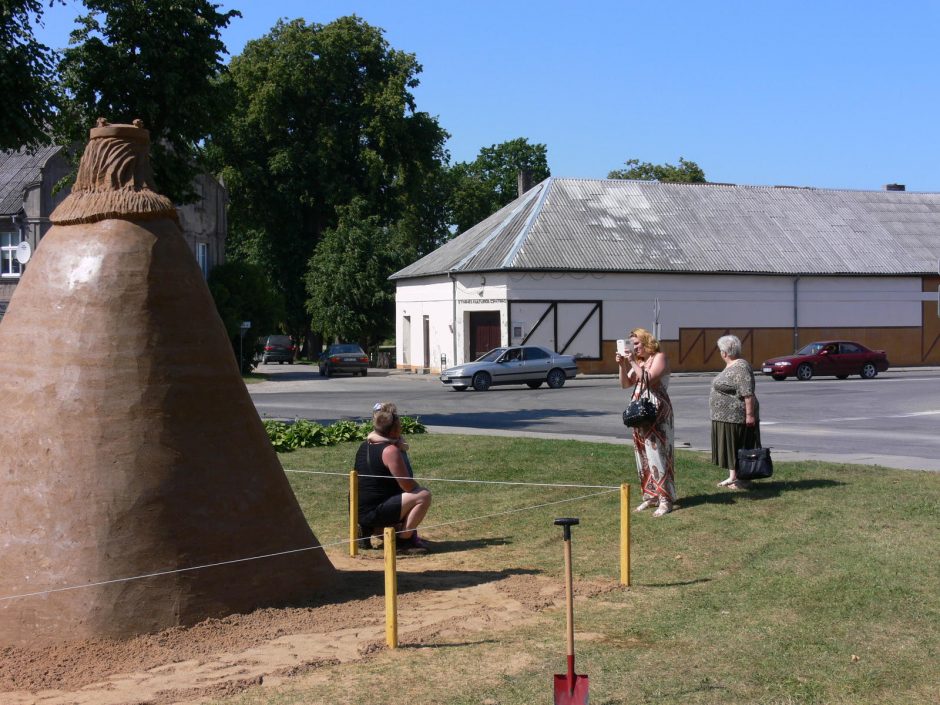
[829, 357]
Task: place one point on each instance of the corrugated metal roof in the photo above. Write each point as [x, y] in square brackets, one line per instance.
[626, 226]
[18, 170]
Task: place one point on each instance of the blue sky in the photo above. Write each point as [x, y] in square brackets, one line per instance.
[827, 94]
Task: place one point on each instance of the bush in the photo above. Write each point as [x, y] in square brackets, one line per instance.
[301, 433]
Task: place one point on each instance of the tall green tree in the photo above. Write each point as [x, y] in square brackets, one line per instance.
[157, 60]
[350, 296]
[686, 172]
[489, 182]
[27, 70]
[320, 115]
[242, 292]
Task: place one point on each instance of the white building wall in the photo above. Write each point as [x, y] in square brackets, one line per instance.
[631, 300]
[711, 301]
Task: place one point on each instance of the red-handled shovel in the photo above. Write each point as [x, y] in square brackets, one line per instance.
[570, 689]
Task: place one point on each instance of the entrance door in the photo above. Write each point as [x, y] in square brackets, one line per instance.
[406, 340]
[484, 332]
[426, 332]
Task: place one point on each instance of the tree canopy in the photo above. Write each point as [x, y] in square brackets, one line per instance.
[27, 69]
[319, 115]
[158, 61]
[351, 298]
[242, 292]
[489, 182]
[686, 172]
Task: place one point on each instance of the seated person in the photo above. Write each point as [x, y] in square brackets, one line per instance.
[387, 494]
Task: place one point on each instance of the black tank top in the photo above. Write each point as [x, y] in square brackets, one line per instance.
[374, 490]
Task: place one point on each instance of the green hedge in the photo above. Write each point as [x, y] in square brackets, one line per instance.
[307, 434]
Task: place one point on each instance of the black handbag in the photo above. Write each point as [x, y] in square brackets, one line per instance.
[754, 463]
[642, 410]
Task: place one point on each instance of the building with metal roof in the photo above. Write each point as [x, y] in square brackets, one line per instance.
[575, 263]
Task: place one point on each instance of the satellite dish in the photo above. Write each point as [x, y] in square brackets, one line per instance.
[23, 252]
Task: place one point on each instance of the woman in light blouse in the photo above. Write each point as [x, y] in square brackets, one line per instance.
[734, 410]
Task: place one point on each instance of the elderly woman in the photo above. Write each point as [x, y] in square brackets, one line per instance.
[653, 444]
[734, 410]
[388, 496]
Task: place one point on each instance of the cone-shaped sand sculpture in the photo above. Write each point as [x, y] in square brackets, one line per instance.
[130, 445]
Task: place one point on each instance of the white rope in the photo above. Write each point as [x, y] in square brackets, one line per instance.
[472, 482]
[525, 509]
[341, 542]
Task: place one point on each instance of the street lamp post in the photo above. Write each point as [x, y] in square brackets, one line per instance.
[242, 329]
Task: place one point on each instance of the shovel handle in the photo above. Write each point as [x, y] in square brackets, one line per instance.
[566, 523]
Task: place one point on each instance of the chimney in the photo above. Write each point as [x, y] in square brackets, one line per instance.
[524, 180]
[894, 187]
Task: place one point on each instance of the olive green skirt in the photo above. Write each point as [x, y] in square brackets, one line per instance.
[727, 438]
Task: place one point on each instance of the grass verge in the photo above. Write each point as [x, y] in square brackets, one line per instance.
[820, 585]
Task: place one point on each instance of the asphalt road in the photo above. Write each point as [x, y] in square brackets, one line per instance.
[892, 420]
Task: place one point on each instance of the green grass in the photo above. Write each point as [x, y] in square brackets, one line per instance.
[737, 597]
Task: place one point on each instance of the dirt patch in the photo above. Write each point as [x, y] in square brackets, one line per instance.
[221, 657]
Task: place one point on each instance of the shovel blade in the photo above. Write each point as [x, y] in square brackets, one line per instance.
[568, 693]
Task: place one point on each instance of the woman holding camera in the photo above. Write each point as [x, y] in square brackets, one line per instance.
[653, 444]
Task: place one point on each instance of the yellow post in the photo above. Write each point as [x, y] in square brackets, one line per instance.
[625, 535]
[353, 513]
[391, 590]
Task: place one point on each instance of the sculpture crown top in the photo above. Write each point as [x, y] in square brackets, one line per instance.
[135, 131]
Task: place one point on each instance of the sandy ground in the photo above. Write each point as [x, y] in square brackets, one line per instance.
[269, 646]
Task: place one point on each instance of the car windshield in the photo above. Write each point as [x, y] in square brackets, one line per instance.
[811, 349]
[491, 355]
[346, 348]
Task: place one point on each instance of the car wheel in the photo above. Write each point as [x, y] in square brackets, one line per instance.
[365, 372]
[779, 378]
[534, 385]
[290, 362]
[326, 371]
[482, 381]
[804, 372]
[321, 372]
[556, 379]
[842, 376]
[869, 371]
[459, 387]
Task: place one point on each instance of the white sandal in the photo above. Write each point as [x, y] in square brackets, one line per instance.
[646, 504]
[664, 508]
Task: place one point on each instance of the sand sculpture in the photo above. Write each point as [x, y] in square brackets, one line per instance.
[129, 443]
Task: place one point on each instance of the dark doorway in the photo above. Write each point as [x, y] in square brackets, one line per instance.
[484, 332]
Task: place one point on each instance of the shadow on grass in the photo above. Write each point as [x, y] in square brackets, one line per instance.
[677, 583]
[761, 489]
[468, 545]
[451, 645]
[362, 584]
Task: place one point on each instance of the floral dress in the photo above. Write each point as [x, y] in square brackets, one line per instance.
[654, 446]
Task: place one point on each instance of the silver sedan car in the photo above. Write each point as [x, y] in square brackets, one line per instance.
[523, 364]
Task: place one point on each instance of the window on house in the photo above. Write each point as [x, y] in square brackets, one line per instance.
[202, 257]
[9, 265]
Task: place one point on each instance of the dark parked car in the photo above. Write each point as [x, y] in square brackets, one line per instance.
[278, 348]
[344, 357]
[524, 364]
[829, 357]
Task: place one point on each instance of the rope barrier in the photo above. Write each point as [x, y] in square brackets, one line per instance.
[472, 482]
[321, 546]
[515, 511]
